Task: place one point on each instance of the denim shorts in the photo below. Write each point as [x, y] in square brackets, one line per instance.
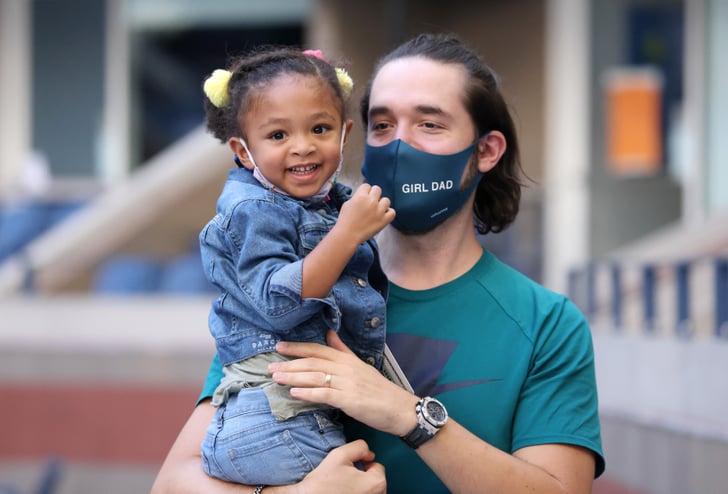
[245, 443]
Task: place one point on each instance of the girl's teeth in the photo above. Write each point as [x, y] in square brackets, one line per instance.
[303, 169]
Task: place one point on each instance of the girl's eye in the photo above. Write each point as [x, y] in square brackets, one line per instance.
[277, 136]
[320, 129]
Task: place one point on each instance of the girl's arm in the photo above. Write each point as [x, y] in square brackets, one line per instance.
[360, 218]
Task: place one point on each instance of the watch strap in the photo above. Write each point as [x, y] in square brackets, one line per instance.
[417, 437]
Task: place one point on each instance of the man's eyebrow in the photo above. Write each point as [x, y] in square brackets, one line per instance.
[431, 110]
[376, 111]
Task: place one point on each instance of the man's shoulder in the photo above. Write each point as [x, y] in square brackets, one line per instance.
[530, 304]
[507, 281]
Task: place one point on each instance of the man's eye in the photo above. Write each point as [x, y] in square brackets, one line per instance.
[379, 126]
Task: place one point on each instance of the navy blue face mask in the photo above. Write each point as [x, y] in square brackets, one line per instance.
[424, 188]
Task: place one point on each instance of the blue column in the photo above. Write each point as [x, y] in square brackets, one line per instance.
[721, 294]
[648, 294]
[578, 287]
[616, 275]
[591, 298]
[682, 285]
[572, 287]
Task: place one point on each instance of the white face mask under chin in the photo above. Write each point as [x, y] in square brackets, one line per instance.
[322, 193]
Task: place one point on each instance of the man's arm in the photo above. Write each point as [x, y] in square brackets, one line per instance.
[182, 473]
[464, 462]
[182, 470]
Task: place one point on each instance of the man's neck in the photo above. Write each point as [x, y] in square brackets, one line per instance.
[420, 262]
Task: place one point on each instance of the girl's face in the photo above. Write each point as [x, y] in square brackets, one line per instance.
[293, 130]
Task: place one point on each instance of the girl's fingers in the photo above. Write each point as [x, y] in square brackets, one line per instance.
[315, 350]
[333, 340]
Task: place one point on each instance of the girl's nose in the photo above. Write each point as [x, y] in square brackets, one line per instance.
[303, 146]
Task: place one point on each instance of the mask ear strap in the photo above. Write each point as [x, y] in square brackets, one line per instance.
[256, 171]
[482, 136]
[341, 155]
[341, 144]
[250, 155]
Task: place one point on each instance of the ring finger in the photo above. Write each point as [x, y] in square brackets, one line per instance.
[304, 379]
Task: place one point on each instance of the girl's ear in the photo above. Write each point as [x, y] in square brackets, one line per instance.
[490, 149]
[237, 148]
[347, 130]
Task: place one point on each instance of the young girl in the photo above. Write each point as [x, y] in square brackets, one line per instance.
[292, 253]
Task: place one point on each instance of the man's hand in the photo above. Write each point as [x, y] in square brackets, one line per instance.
[338, 472]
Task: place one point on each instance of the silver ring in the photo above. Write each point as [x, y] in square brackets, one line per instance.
[327, 381]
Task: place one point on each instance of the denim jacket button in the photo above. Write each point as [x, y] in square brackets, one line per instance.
[371, 361]
[360, 282]
[375, 322]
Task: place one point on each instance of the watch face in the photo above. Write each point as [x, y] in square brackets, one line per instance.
[435, 411]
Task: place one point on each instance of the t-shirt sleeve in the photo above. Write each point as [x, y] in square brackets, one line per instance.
[214, 376]
[559, 398]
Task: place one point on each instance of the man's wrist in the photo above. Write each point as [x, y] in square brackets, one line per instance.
[431, 417]
[409, 420]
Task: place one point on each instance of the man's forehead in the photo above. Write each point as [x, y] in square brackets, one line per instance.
[421, 70]
[417, 85]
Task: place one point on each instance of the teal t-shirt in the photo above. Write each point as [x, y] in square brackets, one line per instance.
[512, 361]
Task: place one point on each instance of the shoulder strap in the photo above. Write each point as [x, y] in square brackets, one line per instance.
[393, 372]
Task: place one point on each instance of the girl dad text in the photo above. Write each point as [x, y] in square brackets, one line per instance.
[422, 187]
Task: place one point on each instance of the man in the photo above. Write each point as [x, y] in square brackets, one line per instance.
[509, 361]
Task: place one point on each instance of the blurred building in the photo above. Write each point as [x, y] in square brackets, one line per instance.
[107, 176]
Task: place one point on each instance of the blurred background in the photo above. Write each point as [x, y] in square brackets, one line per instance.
[107, 176]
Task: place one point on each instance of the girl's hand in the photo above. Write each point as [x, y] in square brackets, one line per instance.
[365, 213]
[355, 387]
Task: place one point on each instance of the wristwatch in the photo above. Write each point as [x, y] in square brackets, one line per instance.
[431, 416]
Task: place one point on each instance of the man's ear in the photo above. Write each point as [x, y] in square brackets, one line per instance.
[490, 150]
[237, 148]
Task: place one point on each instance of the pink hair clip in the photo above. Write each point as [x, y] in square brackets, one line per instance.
[315, 53]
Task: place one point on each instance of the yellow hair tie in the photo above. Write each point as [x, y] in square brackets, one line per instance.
[345, 81]
[216, 87]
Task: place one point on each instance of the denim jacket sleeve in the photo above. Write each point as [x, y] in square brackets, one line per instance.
[266, 266]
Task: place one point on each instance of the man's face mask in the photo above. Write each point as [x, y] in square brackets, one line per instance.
[424, 188]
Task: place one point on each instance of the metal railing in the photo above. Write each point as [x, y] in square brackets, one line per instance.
[684, 298]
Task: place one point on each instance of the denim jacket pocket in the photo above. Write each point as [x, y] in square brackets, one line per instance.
[312, 233]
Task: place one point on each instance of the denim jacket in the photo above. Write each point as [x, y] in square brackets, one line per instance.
[253, 250]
